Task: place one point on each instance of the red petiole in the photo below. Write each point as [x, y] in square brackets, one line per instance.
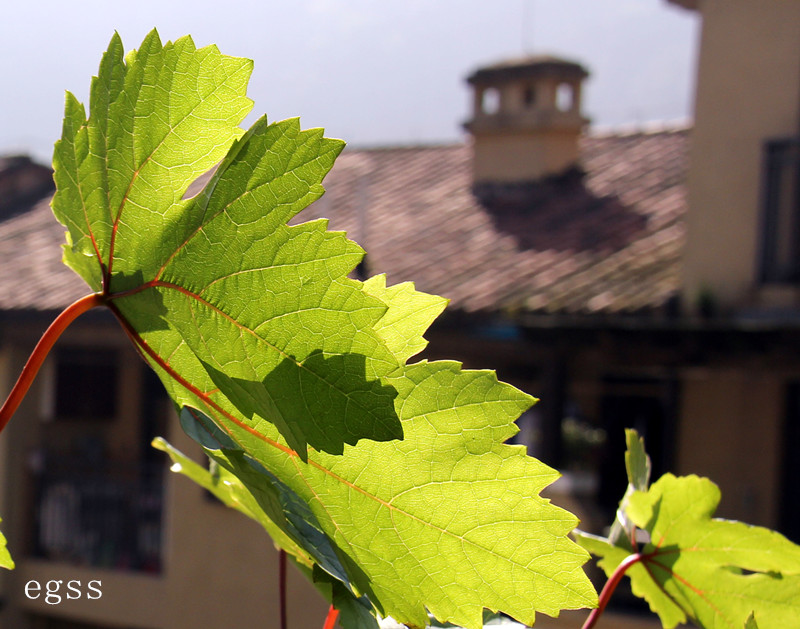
[330, 619]
[43, 347]
[609, 588]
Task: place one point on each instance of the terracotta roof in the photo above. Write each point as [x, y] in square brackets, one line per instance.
[608, 242]
[32, 276]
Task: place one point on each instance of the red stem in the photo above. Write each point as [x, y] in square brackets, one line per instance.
[282, 586]
[609, 588]
[330, 620]
[43, 347]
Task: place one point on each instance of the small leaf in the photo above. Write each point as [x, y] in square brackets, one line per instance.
[637, 465]
[713, 572]
[5, 556]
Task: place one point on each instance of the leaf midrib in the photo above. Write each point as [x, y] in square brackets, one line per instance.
[143, 164]
[300, 364]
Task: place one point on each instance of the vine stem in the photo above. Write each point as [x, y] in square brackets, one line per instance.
[282, 586]
[330, 620]
[43, 347]
[609, 588]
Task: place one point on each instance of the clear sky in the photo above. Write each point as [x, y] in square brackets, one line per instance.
[372, 72]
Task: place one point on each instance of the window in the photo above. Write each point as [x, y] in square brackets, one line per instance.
[565, 96]
[780, 218]
[86, 384]
[490, 101]
[529, 96]
[790, 503]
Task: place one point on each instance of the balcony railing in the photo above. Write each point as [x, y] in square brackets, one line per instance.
[107, 518]
[780, 220]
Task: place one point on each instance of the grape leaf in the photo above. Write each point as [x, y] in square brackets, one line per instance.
[267, 308]
[448, 518]
[713, 572]
[291, 375]
[5, 557]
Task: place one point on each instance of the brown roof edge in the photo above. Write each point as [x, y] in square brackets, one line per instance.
[691, 5]
[527, 67]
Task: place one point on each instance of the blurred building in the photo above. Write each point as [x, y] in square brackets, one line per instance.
[626, 279]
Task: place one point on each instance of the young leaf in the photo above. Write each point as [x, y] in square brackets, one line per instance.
[713, 572]
[5, 556]
[637, 465]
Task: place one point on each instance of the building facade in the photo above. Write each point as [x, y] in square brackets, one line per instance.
[644, 279]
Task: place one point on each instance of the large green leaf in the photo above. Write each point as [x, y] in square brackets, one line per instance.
[267, 308]
[713, 572]
[448, 518]
[291, 375]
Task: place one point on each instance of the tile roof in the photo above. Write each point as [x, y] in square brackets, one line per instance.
[32, 276]
[610, 242]
[607, 242]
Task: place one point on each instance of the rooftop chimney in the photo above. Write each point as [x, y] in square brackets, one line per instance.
[526, 119]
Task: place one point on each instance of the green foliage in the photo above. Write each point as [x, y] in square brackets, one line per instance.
[387, 482]
[716, 573]
[5, 556]
[219, 285]
[637, 465]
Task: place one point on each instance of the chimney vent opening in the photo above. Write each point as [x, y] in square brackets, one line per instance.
[565, 97]
[490, 101]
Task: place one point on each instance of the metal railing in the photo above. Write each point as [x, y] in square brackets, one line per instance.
[106, 516]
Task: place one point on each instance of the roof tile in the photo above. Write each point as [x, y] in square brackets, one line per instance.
[609, 241]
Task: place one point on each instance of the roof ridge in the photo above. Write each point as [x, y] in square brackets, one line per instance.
[650, 127]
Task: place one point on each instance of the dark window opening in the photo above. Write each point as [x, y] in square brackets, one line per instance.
[86, 384]
[780, 213]
[646, 405]
[529, 96]
[89, 506]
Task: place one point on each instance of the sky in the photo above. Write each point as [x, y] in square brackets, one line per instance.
[373, 72]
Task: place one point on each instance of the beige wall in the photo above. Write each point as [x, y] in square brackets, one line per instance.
[220, 568]
[748, 90]
[730, 430]
[520, 156]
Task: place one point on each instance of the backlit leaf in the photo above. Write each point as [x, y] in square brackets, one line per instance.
[267, 308]
[713, 572]
[390, 482]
